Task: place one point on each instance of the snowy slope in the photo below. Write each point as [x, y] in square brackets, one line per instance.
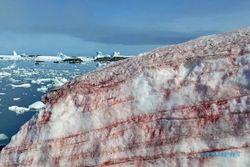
[168, 107]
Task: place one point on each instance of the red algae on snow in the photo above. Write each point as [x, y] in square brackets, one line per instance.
[173, 106]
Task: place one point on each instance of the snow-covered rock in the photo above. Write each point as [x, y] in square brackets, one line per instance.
[182, 105]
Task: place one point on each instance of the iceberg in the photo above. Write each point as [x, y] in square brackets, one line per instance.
[18, 110]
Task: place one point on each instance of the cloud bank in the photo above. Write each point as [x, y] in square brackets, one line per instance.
[114, 23]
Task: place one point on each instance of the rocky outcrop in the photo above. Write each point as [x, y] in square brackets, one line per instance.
[181, 105]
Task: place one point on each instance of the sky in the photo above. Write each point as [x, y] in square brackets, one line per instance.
[82, 27]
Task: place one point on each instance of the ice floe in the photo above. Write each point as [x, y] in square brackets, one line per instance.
[41, 81]
[14, 81]
[3, 136]
[48, 58]
[20, 110]
[4, 74]
[37, 106]
[42, 89]
[27, 85]
[59, 81]
[16, 98]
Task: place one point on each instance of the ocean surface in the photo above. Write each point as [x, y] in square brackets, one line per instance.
[24, 82]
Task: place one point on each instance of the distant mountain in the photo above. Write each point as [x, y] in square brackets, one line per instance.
[181, 105]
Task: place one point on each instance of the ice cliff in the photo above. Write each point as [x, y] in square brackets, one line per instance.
[173, 106]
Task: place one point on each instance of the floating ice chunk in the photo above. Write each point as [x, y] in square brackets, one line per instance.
[41, 81]
[48, 58]
[1, 94]
[101, 64]
[3, 136]
[18, 110]
[49, 86]
[37, 106]
[21, 86]
[14, 81]
[4, 74]
[43, 89]
[59, 81]
[16, 98]
[10, 57]
[12, 66]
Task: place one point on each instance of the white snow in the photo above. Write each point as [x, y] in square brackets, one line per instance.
[146, 98]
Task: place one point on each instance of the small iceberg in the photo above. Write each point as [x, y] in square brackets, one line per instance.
[3, 136]
[16, 98]
[18, 110]
[41, 81]
[37, 106]
[33, 107]
[21, 86]
[48, 58]
[113, 57]
[42, 89]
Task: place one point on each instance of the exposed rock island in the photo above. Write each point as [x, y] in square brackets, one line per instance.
[180, 105]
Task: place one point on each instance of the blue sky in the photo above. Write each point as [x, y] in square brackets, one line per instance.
[82, 27]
